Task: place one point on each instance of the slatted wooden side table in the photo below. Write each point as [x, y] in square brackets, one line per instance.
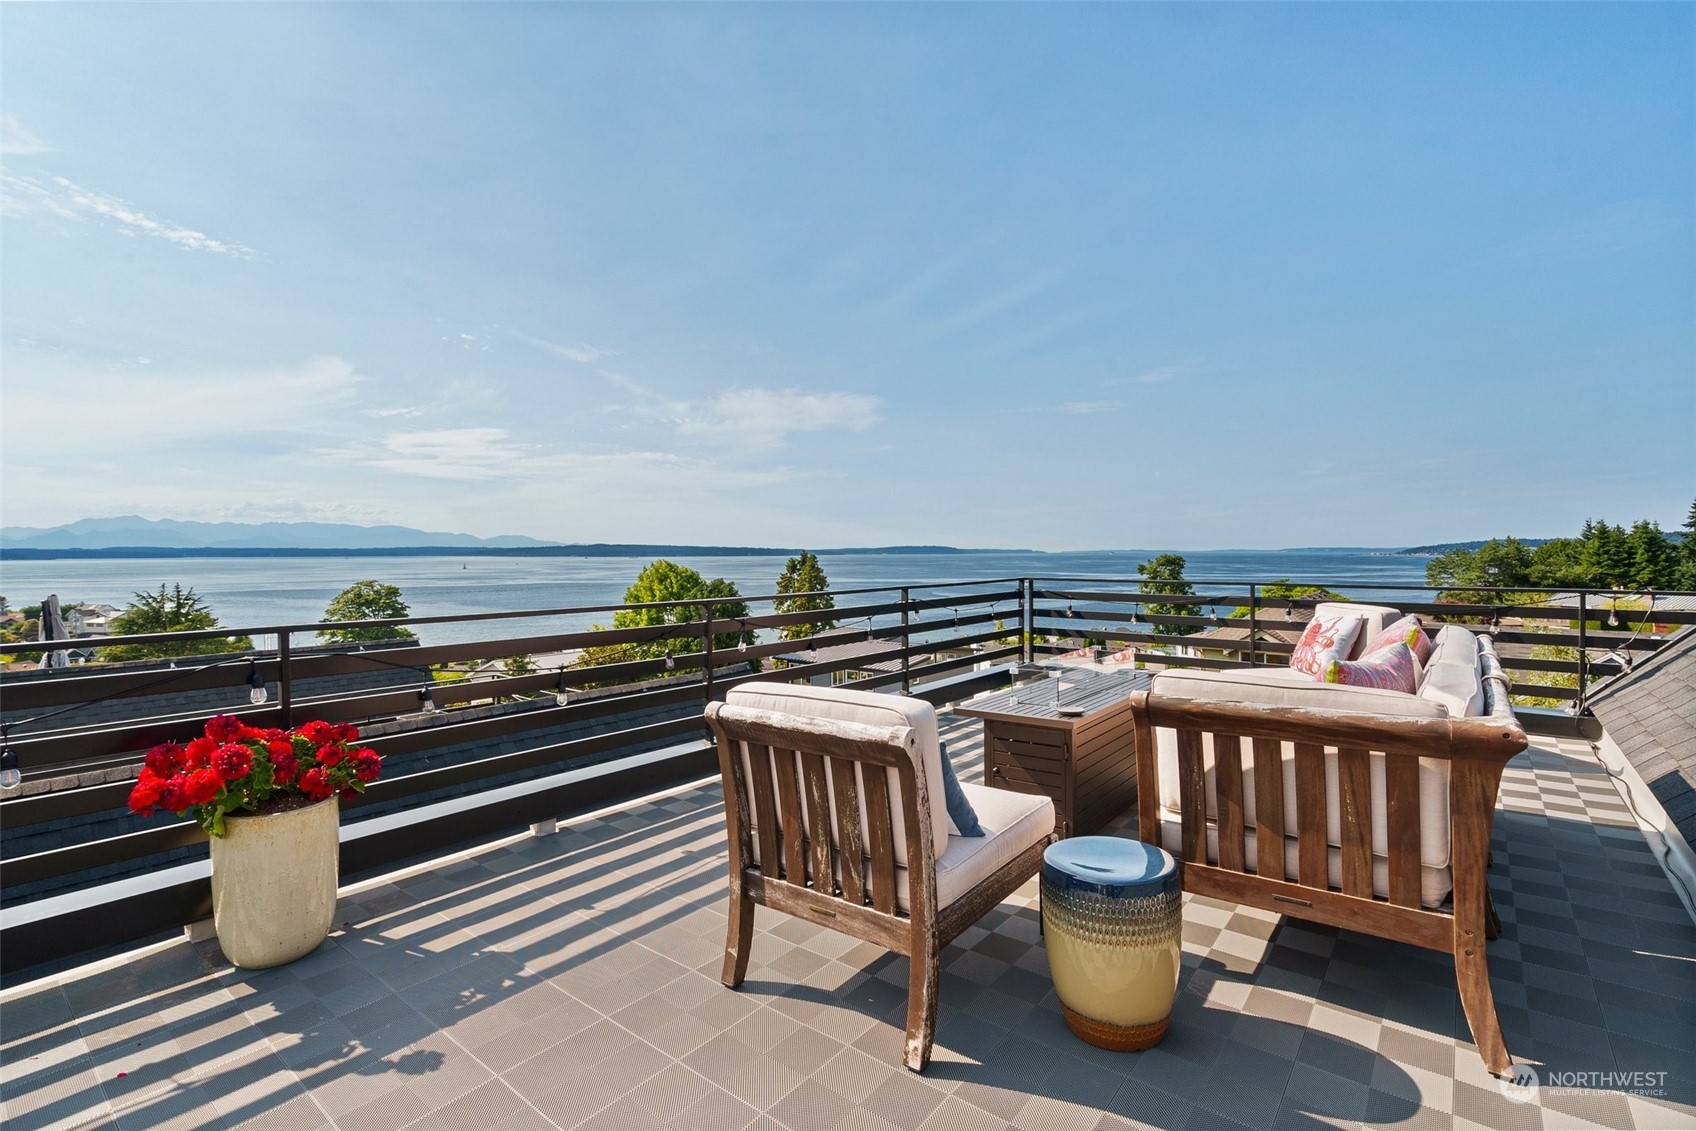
[1070, 739]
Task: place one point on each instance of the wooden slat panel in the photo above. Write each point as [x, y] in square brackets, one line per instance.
[1268, 808]
[882, 841]
[789, 809]
[1401, 818]
[1228, 780]
[1192, 796]
[1310, 814]
[817, 799]
[764, 809]
[850, 846]
[1354, 806]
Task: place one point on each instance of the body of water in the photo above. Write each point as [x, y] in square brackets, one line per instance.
[246, 592]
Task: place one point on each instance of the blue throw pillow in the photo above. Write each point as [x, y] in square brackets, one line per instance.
[960, 811]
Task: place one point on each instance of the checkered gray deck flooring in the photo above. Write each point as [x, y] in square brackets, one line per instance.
[571, 981]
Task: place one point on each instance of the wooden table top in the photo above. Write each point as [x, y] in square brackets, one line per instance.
[1086, 692]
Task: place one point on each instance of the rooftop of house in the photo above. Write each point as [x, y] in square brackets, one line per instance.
[1650, 712]
[571, 980]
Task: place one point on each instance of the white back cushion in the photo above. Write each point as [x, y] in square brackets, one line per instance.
[873, 709]
[1374, 616]
[1259, 686]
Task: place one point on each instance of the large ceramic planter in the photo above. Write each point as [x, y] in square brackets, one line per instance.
[274, 884]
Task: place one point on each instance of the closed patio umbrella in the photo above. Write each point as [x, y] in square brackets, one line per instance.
[52, 627]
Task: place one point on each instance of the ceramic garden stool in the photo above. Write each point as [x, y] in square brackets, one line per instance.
[1112, 918]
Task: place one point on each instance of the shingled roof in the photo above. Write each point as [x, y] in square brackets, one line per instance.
[1650, 712]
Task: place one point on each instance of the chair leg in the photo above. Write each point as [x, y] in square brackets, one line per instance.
[923, 972]
[1472, 977]
[738, 937]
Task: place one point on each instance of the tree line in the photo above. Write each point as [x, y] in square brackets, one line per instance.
[1602, 556]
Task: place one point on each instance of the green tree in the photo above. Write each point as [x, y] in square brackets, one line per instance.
[1558, 563]
[1607, 557]
[172, 609]
[1687, 552]
[660, 581]
[1654, 561]
[1164, 576]
[1464, 576]
[804, 575]
[366, 600]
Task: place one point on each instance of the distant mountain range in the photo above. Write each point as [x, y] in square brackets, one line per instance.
[165, 533]
[1445, 547]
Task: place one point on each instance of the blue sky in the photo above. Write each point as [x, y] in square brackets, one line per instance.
[1009, 275]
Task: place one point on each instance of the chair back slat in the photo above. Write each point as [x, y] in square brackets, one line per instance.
[1311, 854]
[1228, 779]
[764, 806]
[1354, 808]
[1268, 807]
[789, 813]
[817, 800]
[1192, 797]
[845, 788]
[882, 842]
[1401, 820]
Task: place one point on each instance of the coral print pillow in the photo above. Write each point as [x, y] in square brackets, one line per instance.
[1405, 631]
[1390, 668]
[1324, 634]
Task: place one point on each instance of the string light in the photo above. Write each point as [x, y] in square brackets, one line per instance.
[425, 702]
[10, 776]
[258, 693]
[561, 695]
[670, 662]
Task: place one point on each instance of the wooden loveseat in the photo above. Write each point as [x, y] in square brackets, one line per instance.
[1357, 810]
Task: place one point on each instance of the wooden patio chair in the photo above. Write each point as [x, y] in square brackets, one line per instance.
[834, 814]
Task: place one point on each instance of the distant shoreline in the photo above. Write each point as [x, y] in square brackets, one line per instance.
[593, 550]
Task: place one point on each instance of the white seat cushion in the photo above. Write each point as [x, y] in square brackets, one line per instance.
[872, 709]
[1011, 821]
[1434, 883]
[1253, 687]
[1453, 676]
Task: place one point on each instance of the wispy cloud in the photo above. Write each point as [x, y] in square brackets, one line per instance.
[68, 200]
[580, 352]
[1615, 228]
[402, 410]
[773, 414]
[1158, 374]
[1087, 408]
[451, 453]
[16, 141]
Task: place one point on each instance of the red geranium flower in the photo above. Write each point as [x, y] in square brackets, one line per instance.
[165, 759]
[366, 764]
[315, 783]
[317, 732]
[346, 732]
[279, 748]
[171, 793]
[223, 728]
[329, 755]
[232, 761]
[144, 796]
[198, 753]
[202, 786]
[348, 791]
[284, 767]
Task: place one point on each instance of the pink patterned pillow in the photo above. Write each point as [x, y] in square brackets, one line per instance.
[1389, 668]
[1324, 634]
[1405, 631]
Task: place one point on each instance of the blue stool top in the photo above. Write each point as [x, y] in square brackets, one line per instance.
[1110, 866]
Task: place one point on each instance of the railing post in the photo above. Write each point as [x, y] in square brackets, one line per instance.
[285, 681]
[1583, 654]
[906, 645]
[1027, 617]
[1253, 635]
[707, 649]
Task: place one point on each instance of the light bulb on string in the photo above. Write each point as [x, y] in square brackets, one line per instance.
[670, 662]
[561, 695]
[426, 703]
[257, 692]
[10, 776]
